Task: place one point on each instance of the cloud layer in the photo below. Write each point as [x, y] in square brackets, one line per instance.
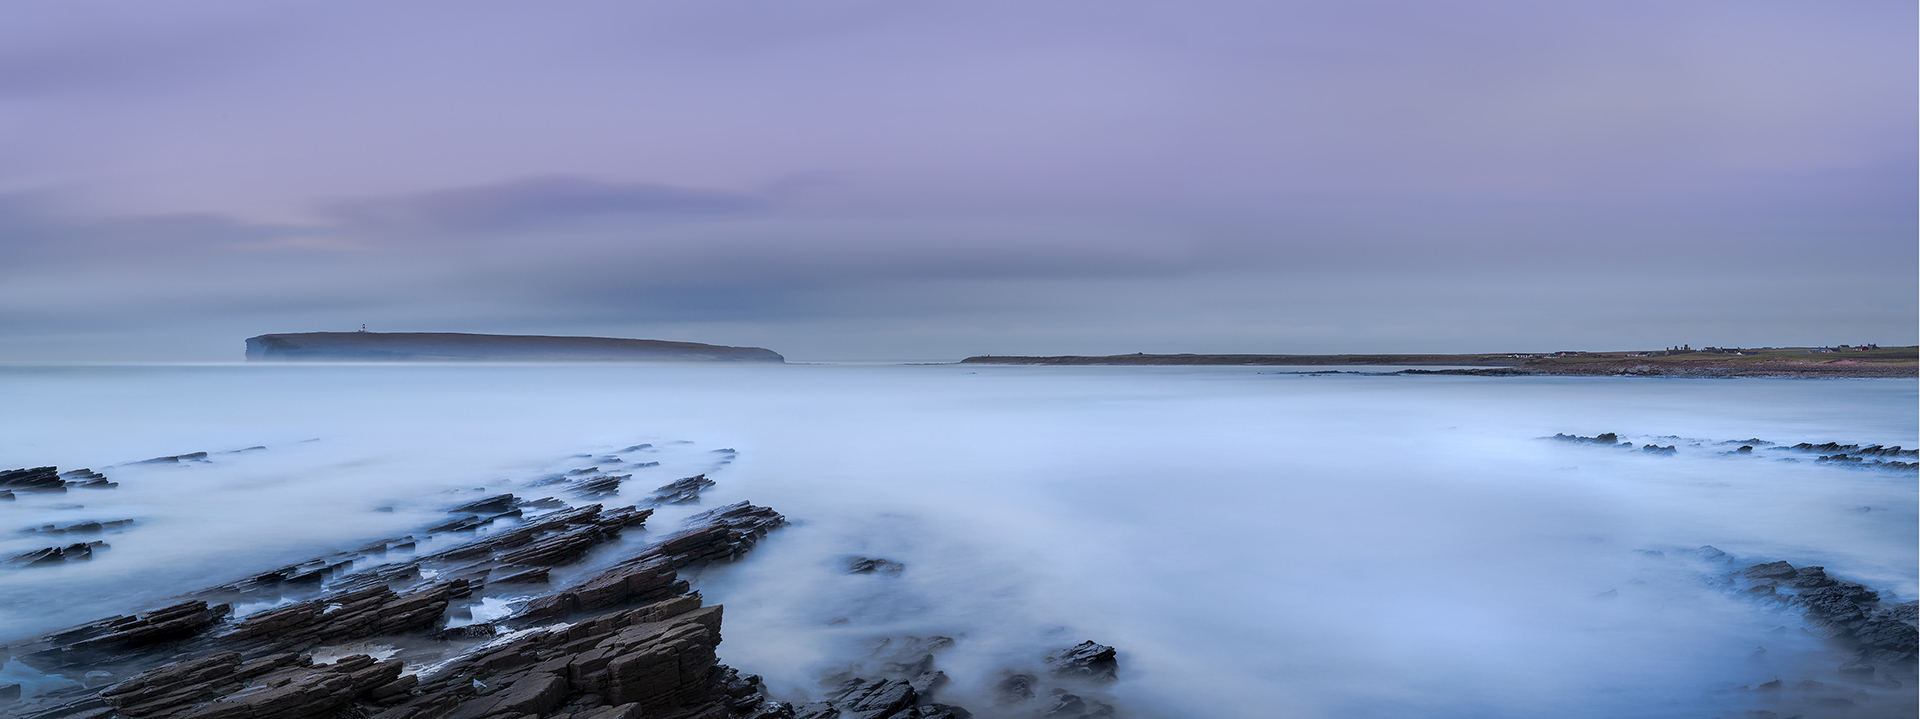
[843, 179]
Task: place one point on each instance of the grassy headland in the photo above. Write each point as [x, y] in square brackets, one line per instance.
[1764, 362]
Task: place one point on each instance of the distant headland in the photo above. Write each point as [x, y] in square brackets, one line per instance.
[457, 347]
[1838, 361]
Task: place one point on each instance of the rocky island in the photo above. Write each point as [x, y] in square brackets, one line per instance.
[459, 347]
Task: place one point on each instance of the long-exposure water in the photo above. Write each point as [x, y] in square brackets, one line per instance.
[1256, 543]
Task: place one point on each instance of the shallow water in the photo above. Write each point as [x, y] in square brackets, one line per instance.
[1256, 544]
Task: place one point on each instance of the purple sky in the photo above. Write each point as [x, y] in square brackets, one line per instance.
[938, 179]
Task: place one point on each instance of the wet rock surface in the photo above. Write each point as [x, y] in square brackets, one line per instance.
[36, 479]
[50, 480]
[523, 608]
[1086, 660]
[188, 458]
[1872, 632]
[1869, 641]
[1606, 438]
[1836, 454]
[681, 491]
[627, 641]
[602, 485]
[76, 552]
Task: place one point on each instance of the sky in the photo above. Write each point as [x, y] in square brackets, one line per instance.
[911, 179]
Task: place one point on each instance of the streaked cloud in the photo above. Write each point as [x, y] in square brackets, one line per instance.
[1103, 173]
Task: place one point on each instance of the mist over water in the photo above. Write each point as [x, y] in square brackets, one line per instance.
[1256, 544]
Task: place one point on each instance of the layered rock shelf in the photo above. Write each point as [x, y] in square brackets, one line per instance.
[596, 627]
[628, 640]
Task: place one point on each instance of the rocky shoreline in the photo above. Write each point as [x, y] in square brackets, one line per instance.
[598, 628]
[549, 609]
[1849, 456]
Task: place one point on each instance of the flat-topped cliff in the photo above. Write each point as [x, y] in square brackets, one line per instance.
[458, 347]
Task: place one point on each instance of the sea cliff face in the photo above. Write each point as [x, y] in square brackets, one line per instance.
[457, 347]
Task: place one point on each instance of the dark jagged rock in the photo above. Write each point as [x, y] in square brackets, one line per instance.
[883, 699]
[873, 565]
[637, 447]
[497, 504]
[905, 660]
[719, 535]
[87, 479]
[77, 552]
[1607, 438]
[681, 491]
[176, 459]
[1825, 447]
[1086, 660]
[36, 479]
[103, 641]
[1846, 613]
[1657, 449]
[637, 644]
[601, 486]
[1879, 451]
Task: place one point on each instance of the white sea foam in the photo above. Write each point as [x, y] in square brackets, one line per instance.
[1256, 544]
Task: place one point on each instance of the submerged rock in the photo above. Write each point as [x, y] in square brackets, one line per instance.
[176, 459]
[1015, 688]
[873, 565]
[81, 527]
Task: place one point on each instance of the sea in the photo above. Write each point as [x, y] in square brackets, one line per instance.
[1256, 542]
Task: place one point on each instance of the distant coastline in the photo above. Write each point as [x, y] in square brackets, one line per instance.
[460, 347]
[1684, 362]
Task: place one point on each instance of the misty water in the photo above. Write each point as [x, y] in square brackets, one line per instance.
[1256, 543]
